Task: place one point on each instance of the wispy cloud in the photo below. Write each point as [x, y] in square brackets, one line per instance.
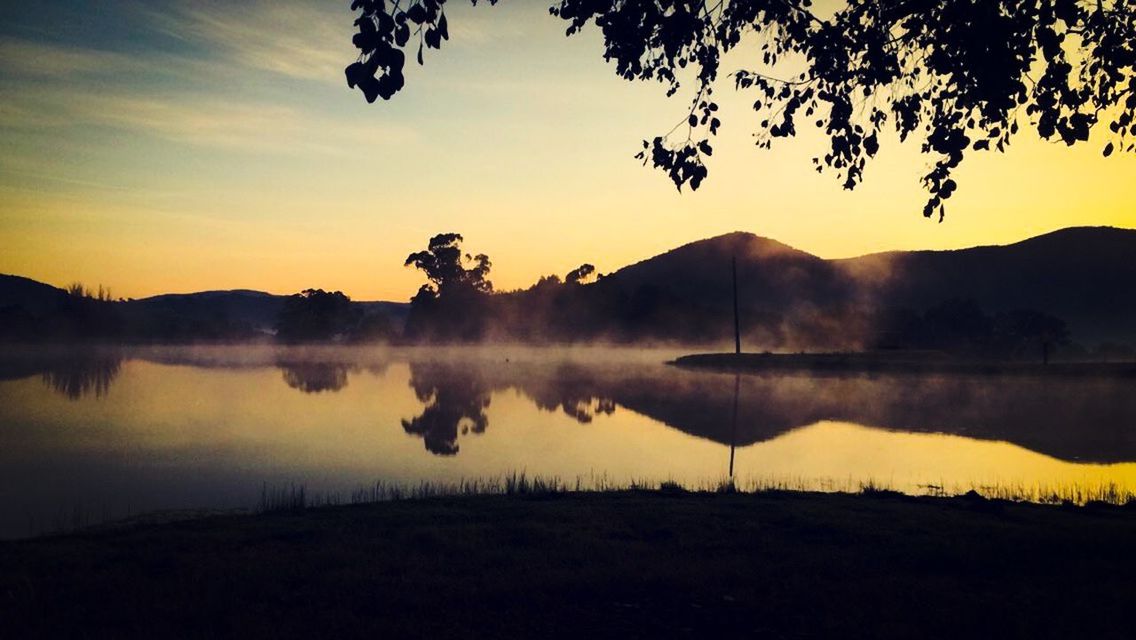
[199, 120]
[298, 40]
[26, 58]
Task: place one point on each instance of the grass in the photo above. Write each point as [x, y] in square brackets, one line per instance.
[662, 561]
[296, 497]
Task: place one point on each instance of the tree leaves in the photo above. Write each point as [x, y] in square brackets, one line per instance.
[959, 74]
[383, 32]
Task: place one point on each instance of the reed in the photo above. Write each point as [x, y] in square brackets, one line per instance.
[297, 497]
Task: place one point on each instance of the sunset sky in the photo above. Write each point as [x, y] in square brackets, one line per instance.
[179, 146]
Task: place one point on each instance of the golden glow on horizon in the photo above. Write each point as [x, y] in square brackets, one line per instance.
[255, 167]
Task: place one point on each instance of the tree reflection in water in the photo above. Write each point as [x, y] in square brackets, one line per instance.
[456, 399]
[310, 375]
[315, 377]
[456, 396]
[77, 378]
[1071, 419]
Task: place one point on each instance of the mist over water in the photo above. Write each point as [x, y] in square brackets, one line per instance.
[90, 435]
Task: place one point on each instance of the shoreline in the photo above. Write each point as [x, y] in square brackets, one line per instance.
[902, 363]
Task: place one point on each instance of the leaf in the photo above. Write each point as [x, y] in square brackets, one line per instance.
[416, 14]
[1108, 150]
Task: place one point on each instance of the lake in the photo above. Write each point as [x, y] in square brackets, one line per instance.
[96, 434]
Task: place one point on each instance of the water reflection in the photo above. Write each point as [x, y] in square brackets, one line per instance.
[314, 377]
[1071, 419]
[570, 390]
[1087, 419]
[76, 378]
[207, 427]
[74, 374]
[455, 400]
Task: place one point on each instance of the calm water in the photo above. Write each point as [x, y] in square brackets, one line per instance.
[93, 435]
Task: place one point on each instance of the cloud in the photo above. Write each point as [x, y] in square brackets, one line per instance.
[202, 120]
[297, 40]
[26, 58]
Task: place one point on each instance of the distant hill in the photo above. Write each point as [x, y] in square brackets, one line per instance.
[256, 309]
[1085, 276]
[29, 295]
[789, 299]
[31, 309]
[786, 295]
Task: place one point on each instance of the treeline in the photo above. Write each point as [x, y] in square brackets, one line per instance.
[458, 304]
[315, 315]
[82, 315]
[961, 326]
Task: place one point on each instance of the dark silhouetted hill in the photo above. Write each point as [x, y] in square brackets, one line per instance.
[791, 299]
[33, 311]
[34, 297]
[1084, 275]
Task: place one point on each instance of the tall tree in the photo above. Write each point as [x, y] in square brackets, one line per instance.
[446, 267]
[960, 74]
[452, 304]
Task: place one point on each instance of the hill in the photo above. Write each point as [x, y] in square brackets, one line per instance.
[992, 300]
[1084, 275]
[34, 297]
[791, 299]
[31, 310]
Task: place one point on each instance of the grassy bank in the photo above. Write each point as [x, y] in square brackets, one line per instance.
[626, 564]
[898, 362]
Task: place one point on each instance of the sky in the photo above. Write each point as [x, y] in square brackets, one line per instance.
[164, 146]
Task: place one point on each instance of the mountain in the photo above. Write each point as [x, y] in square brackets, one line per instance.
[787, 295]
[35, 311]
[255, 309]
[29, 295]
[995, 300]
[1085, 276]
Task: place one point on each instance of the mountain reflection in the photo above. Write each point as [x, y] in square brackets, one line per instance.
[1078, 419]
[1083, 419]
[569, 389]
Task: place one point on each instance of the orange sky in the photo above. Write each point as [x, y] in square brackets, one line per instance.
[181, 147]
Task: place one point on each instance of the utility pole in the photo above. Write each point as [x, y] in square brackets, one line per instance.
[737, 325]
[734, 424]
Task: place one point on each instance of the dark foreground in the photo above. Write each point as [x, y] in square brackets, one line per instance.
[632, 564]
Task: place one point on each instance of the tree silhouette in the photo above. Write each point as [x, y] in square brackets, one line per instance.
[445, 266]
[452, 304]
[959, 73]
[580, 274]
[315, 315]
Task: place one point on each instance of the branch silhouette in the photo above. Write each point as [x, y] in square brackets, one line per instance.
[958, 73]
